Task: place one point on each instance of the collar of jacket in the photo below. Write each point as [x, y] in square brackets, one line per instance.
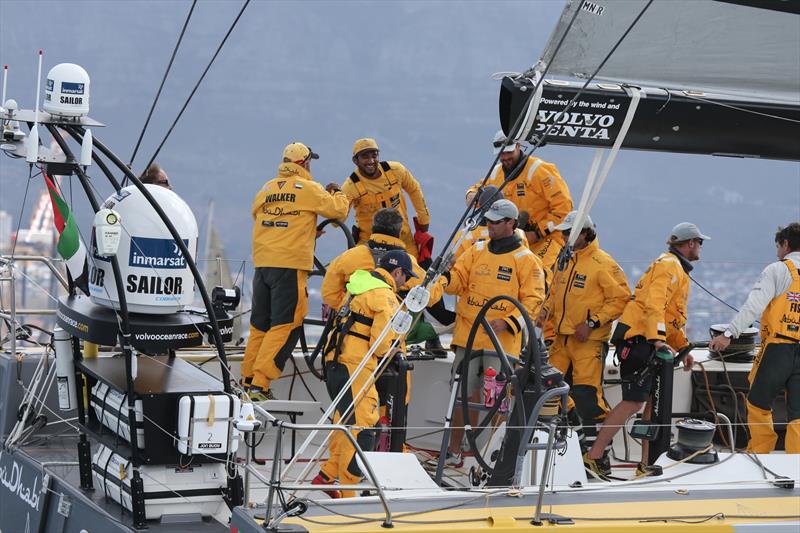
[589, 249]
[523, 162]
[504, 245]
[362, 281]
[381, 274]
[687, 266]
[293, 170]
[381, 240]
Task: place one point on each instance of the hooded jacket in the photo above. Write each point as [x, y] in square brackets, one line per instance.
[285, 218]
[591, 286]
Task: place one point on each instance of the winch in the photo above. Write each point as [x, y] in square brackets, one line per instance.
[694, 442]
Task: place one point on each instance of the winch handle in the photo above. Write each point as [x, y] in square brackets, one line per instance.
[686, 350]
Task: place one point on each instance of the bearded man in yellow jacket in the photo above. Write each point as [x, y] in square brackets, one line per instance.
[285, 214]
[585, 298]
[376, 184]
[540, 194]
[501, 265]
[653, 320]
[371, 301]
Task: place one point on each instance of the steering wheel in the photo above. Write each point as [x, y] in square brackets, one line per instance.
[531, 356]
[320, 269]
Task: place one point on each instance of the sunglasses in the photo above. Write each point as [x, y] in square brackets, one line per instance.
[498, 144]
[497, 221]
[699, 241]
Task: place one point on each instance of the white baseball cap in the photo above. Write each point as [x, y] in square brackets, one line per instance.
[499, 140]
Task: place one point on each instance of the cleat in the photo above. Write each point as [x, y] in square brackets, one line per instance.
[454, 460]
[594, 469]
[643, 470]
[322, 480]
[257, 394]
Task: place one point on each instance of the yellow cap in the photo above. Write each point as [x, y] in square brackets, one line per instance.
[298, 152]
[364, 144]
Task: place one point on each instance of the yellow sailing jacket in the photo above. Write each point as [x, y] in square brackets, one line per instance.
[657, 310]
[480, 233]
[360, 258]
[540, 191]
[285, 218]
[375, 299]
[367, 196]
[479, 275]
[591, 286]
[781, 318]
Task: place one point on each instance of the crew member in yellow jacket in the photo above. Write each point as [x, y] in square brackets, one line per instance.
[585, 298]
[375, 184]
[481, 232]
[776, 296]
[372, 301]
[653, 320]
[500, 266]
[284, 234]
[540, 194]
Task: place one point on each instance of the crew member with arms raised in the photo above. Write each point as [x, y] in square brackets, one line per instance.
[585, 298]
[376, 184]
[653, 320]
[540, 194]
[371, 301]
[284, 233]
[500, 266]
[776, 297]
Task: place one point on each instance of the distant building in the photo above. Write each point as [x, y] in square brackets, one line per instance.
[5, 231]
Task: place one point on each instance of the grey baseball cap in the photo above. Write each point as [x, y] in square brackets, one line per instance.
[499, 140]
[569, 220]
[490, 193]
[502, 209]
[686, 231]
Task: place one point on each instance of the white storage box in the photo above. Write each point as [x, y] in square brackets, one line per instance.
[205, 424]
[111, 408]
[168, 490]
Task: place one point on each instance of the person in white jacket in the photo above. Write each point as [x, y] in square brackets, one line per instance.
[776, 298]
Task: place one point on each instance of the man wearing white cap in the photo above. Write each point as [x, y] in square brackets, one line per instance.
[585, 299]
[285, 214]
[501, 265]
[653, 320]
[540, 194]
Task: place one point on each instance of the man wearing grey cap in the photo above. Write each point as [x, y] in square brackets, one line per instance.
[585, 299]
[653, 320]
[501, 265]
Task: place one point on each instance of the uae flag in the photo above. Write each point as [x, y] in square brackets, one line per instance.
[69, 245]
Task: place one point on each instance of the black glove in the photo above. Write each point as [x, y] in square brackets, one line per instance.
[356, 233]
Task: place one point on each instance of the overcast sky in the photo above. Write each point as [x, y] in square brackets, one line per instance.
[415, 75]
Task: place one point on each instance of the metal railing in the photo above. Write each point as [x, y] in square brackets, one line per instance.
[274, 484]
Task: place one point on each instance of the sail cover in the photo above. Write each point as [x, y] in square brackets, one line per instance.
[744, 49]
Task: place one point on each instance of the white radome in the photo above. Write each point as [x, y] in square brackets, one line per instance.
[67, 91]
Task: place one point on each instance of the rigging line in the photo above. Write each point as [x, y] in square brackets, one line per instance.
[161, 86]
[197, 85]
[717, 298]
[737, 108]
[590, 78]
[22, 210]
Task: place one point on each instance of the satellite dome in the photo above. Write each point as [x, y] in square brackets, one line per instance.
[67, 91]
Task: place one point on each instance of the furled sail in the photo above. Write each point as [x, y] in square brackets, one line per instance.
[717, 77]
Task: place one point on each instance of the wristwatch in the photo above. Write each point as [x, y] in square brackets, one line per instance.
[727, 334]
[592, 323]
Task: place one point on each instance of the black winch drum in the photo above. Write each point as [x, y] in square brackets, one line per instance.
[693, 436]
[740, 350]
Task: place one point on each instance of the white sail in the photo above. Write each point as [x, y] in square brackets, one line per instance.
[699, 45]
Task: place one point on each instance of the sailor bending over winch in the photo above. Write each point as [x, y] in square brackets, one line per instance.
[652, 321]
[586, 297]
[540, 194]
[371, 301]
[776, 297]
[386, 227]
[503, 265]
[284, 232]
[375, 184]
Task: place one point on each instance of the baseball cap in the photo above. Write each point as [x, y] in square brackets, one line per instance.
[364, 144]
[397, 258]
[490, 192]
[569, 220]
[499, 140]
[686, 231]
[298, 152]
[502, 209]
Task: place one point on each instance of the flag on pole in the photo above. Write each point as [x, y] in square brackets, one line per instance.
[69, 244]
